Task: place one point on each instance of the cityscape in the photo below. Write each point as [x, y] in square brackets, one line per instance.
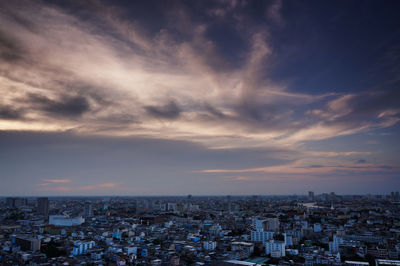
[199, 132]
[323, 229]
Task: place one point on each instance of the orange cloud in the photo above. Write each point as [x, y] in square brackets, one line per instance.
[48, 186]
[57, 180]
[61, 188]
[98, 186]
[299, 167]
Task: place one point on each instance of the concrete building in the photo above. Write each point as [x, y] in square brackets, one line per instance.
[261, 236]
[242, 249]
[334, 244]
[88, 210]
[82, 247]
[43, 206]
[209, 245]
[275, 248]
[28, 243]
[311, 196]
[272, 224]
[317, 228]
[61, 220]
[16, 202]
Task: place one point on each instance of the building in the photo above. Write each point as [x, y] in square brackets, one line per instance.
[175, 261]
[43, 206]
[16, 202]
[261, 236]
[387, 262]
[317, 228]
[275, 248]
[242, 249]
[61, 220]
[258, 224]
[82, 247]
[355, 263]
[272, 224]
[28, 243]
[334, 244]
[88, 210]
[209, 245]
[311, 196]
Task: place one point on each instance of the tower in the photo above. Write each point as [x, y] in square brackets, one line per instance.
[43, 206]
[310, 195]
[88, 210]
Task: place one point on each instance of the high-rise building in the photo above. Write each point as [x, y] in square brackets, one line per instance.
[16, 202]
[10, 202]
[261, 236]
[334, 244]
[332, 196]
[88, 210]
[43, 206]
[275, 248]
[28, 243]
[272, 224]
[395, 196]
[311, 195]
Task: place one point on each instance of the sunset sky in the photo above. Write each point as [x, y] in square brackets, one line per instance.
[199, 97]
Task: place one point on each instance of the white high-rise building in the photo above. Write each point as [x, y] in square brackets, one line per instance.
[88, 210]
[261, 236]
[334, 245]
[258, 224]
[317, 228]
[275, 248]
[209, 245]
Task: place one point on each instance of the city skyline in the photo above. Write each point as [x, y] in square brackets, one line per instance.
[199, 97]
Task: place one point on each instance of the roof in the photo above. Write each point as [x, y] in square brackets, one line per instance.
[240, 262]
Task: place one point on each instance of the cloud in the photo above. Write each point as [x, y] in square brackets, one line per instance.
[98, 186]
[169, 111]
[361, 161]
[354, 113]
[49, 186]
[57, 180]
[103, 74]
[55, 189]
[315, 166]
[66, 106]
[9, 113]
[300, 168]
[10, 48]
[274, 12]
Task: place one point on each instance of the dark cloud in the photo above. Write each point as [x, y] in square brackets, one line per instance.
[315, 166]
[256, 111]
[143, 152]
[259, 116]
[9, 113]
[371, 108]
[66, 106]
[169, 111]
[361, 161]
[10, 49]
[386, 167]
[373, 102]
[369, 105]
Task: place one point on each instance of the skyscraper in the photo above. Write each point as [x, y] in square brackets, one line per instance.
[16, 202]
[88, 210]
[311, 195]
[43, 206]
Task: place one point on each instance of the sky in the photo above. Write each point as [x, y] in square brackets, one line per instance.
[224, 97]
